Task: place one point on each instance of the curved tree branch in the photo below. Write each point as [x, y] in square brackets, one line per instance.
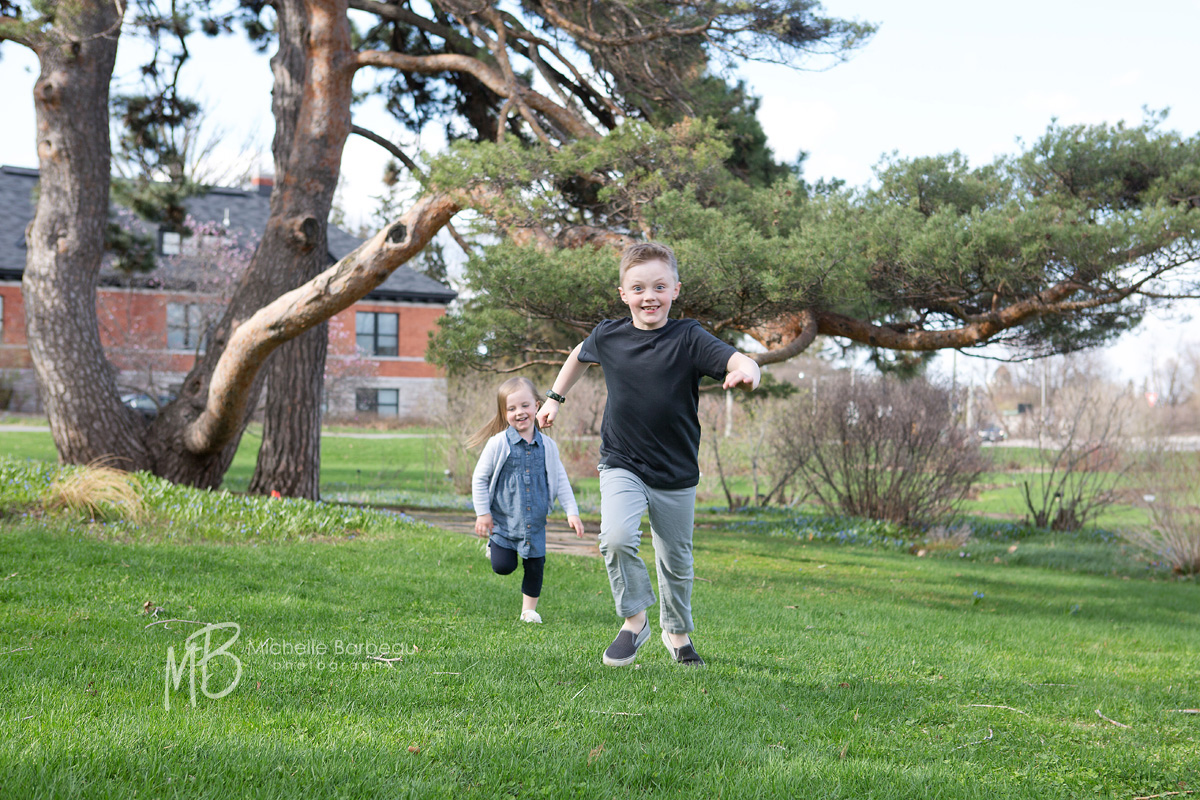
[294, 312]
[16, 31]
[394, 150]
[1049, 301]
[488, 76]
[397, 13]
[556, 17]
[794, 335]
[412, 167]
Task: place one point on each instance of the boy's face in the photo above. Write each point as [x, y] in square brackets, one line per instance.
[649, 289]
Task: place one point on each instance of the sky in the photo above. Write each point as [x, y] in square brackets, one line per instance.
[938, 76]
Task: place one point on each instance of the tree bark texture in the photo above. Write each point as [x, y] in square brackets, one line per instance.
[314, 112]
[309, 136]
[65, 241]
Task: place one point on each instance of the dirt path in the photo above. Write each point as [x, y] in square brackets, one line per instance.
[559, 536]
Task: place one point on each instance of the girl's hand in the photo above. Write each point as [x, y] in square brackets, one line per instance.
[576, 523]
[483, 526]
[545, 417]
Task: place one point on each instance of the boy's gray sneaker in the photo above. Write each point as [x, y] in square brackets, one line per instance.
[684, 655]
[623, 649]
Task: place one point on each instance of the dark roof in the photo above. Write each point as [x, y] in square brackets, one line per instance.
[16, 212]
[246, 212]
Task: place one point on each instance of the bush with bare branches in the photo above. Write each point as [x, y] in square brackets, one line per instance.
[471, 402]
[1166, 480]
[737, 445]
[880, 448]
[1173, 538]
[1080, 452]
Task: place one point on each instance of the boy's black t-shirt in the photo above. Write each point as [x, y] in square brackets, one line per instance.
[651, 426]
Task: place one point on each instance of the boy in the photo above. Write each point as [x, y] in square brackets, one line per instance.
[650, 441]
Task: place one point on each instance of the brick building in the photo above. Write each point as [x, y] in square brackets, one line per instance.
[153, 324]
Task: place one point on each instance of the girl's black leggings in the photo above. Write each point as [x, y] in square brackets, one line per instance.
[504, 562]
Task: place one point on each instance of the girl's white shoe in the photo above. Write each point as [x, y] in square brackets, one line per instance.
[529, 615]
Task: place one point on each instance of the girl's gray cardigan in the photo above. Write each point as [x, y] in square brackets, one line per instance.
[487, 472]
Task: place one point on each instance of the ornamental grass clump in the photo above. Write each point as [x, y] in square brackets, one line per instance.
[945, 537]
[1173, 540]
[97, 492]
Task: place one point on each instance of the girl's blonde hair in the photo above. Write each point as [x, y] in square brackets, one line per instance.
[500, 421]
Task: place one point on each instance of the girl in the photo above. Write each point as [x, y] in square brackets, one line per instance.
[518, 476]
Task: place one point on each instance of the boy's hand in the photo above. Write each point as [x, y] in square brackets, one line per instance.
[741, 380]
[545, 417]
[483, 526]
[576, 523]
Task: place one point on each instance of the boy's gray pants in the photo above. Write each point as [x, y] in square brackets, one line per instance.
[624, 498]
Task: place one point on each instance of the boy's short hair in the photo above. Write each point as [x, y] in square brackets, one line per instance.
[641, 252]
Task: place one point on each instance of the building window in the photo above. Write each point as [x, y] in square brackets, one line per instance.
[384, 402]
[186, 326]
[170, 243]
[377, 333]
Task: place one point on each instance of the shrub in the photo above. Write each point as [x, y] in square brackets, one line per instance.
[880, 448]
[471, 403]
[947, 537]
[1173, 539]
[1079, 458]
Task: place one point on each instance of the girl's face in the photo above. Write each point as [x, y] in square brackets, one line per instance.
[520, 409]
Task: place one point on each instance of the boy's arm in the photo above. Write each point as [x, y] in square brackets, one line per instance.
[742, 372]
[572, 370]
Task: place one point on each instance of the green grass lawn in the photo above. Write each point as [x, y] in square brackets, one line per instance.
[36, 445]
[409, 471]
[366, 466]
[834, 670]
[371, 468]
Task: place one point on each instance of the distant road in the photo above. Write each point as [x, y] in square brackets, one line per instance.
[381, 435]
[1183, 441]
[46, 429]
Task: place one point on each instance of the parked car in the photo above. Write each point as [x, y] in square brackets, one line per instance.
[992, 433]
[145, 404]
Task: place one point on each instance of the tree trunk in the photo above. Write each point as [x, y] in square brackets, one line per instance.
[313, 122]
[289, 460]
[193, 440]
[65, 241]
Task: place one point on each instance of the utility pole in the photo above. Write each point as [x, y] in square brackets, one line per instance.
[971, 405]
[728, 413]
[1042, 409]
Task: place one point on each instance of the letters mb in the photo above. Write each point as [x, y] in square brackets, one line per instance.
[207, 653]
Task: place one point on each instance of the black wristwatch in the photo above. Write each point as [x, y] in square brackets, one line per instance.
[553, 395]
